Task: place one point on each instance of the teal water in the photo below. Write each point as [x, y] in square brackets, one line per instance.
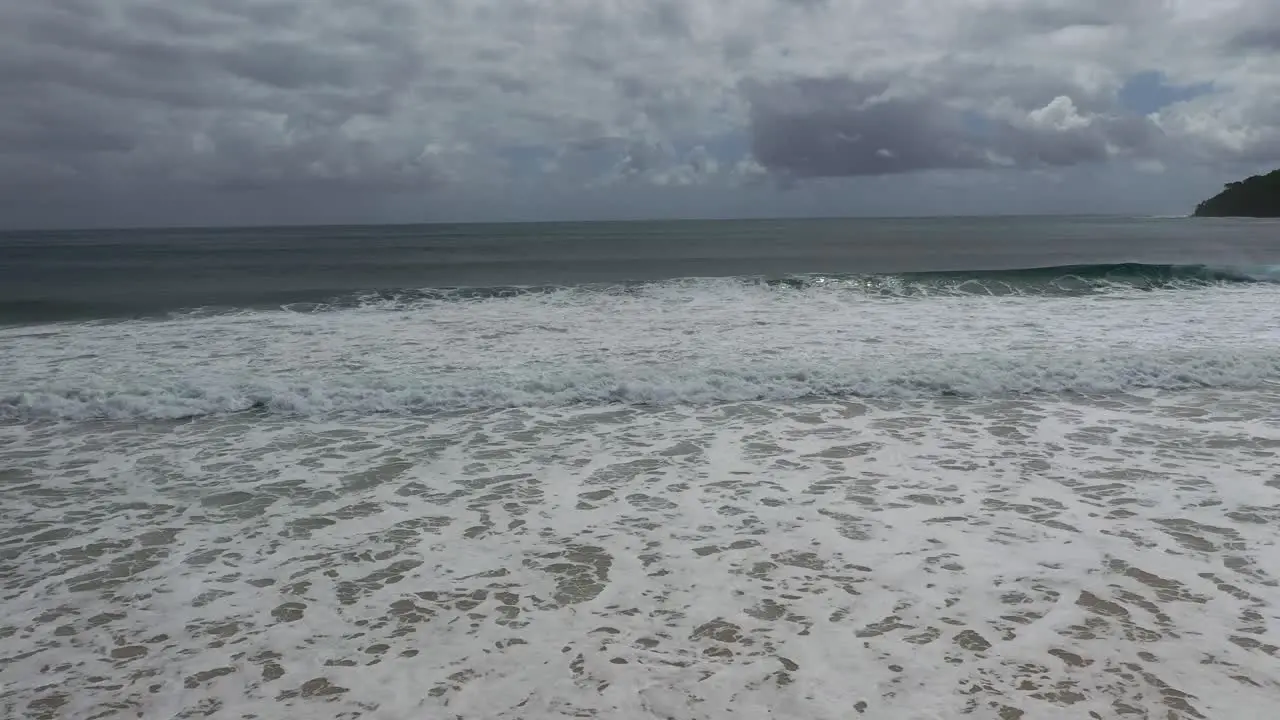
[50, 276]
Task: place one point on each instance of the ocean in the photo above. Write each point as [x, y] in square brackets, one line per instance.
[919, 468]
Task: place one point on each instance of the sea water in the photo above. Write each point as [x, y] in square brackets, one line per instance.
[815, 469]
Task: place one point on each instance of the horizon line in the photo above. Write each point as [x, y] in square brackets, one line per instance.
[592, 221]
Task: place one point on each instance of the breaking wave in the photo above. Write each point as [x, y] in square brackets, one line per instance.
[1059, 280]
[918, 378]
[1060, 330]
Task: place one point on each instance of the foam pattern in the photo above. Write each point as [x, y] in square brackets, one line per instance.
[685, 342]
[820, 558]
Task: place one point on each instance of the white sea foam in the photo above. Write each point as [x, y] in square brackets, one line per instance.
[1056, 558]
[681, 342]
[684, 514]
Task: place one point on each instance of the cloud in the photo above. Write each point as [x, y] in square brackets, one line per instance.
[1254, 30]
[1226, 130]
[218, 96]
[225, 104]
[1058, 134]
[833, 127]
[1262, 38]
[829, 127]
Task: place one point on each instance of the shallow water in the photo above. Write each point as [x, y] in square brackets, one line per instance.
[818, 558]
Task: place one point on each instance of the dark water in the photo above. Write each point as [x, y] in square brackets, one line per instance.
[119, 273]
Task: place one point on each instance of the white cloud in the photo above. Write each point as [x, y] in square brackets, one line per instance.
[1060, 115]
[1228, 127]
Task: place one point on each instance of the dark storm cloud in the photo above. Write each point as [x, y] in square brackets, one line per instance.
[1264, 38]
[1095, 140]
[836, 127]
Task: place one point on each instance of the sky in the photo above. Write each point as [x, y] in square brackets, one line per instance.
[154, 112]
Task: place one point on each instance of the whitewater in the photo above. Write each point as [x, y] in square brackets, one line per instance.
[687, 341]
[1041, 491]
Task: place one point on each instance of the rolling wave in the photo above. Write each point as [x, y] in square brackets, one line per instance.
[1077, 279]
[907, 378]
[1080, 329]
[1059, 280]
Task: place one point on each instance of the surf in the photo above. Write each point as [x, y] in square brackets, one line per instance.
[1054, 280]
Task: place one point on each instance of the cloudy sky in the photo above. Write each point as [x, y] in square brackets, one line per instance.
[128, 112]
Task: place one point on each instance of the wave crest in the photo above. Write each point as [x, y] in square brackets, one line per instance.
[1058, 280]
[910, 378]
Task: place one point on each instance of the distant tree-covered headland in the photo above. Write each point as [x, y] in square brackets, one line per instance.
[1259, 196]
